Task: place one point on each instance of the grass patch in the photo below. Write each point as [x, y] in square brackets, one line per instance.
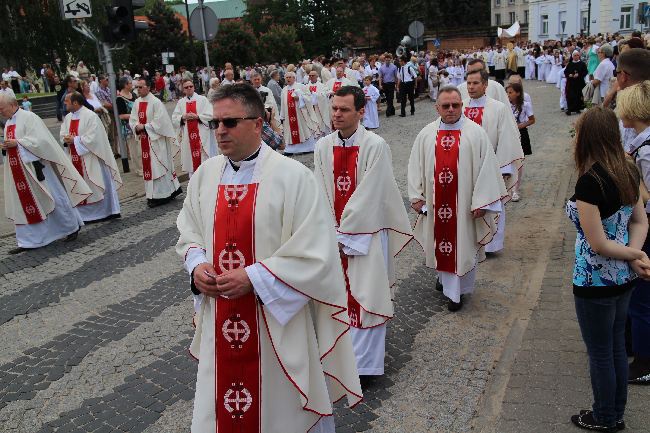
[34, 95]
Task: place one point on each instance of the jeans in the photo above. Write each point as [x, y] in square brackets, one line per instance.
[639, 314]
[602, 324]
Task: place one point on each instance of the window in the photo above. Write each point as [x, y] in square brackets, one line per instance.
[544, 24]
[526, 16]
[497, 19]
[497, 3]
[561, 23]
[512, 17]
[626, 17]
[511, 2]
[584, 21]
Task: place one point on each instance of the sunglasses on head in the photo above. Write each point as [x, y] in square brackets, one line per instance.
[455, 106]
[230, 122]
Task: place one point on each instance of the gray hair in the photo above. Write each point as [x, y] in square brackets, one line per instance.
[256, 74]
[7, 99]
[607, 50]
[450, 89]
[214, 81]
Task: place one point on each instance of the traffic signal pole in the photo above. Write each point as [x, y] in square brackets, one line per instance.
[110, 70]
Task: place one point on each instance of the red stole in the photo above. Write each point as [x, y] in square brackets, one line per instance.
[345, 183]
[27, 200]
[312, 89]
[337, 85]
[144, 142]
[237, 346]
[445, 199]
[193, 135]
[293, 118]
[475, 114]
[76, 159]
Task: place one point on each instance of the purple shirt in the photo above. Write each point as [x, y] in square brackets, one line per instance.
[388, 74]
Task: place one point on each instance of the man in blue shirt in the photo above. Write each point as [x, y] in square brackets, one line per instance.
[388, 79]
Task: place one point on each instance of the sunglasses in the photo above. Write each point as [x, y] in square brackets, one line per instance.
[188, 87]
[229, 123]
[455, 106]
[140, 87]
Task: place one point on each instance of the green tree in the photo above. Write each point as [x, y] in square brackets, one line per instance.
[236, 43]
[280, 43]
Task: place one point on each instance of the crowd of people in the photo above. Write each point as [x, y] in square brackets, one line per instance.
[243, 237]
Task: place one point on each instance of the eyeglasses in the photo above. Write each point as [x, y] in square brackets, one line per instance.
[188, 87]
[455, 106]
[140, 87]
[229, 123]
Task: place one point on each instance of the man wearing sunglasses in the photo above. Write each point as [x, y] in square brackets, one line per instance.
[191, 119]
[455, 185]
[153, 129]
[497, 120]
[354, 169]
[270, 297]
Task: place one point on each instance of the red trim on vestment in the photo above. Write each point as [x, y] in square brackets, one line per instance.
[24, 190]
[292, 112]
[193, 135]
[144, 142]
[475, 114]
[445, 199]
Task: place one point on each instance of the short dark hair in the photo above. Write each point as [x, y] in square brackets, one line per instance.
[484, 75]
[243, 93]
[76, 97]
[357, 94]
[636, 63]
[475, 61]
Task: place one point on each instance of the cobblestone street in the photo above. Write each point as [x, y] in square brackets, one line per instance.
[95, 332]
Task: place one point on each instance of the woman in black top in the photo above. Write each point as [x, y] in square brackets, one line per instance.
[125, 99]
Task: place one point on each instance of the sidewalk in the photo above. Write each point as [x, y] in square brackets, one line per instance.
[549, 379]
[132, 187]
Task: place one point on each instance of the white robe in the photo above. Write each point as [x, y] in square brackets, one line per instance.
[55, 196]
[374, 228]
[299, 348]
[306, 124]
[208, 140]
[99, 168]
[480, 186]
[371, 116]
[320, 102]
[163, 146]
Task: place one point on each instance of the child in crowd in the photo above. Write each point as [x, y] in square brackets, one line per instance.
[370, 117]
[523, 112]
[26, 104]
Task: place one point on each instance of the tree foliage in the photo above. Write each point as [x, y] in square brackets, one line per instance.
[280, 43]
[235, 42]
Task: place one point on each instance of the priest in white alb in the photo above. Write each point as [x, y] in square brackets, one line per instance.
[271, 336]
[191, 119]
[494, 89]
[321, 102]
[354, 170]
[297, 114]
[497, 120]
[86, 141]
[41, 186]
[339, 81]
[455, 185]
[153, 129]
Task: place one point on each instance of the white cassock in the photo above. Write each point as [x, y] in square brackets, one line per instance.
[300, 355]
[530, 67]
[320, 102]
[271, 105]
[451, 238]
[357, 182]
[197, 143]
[561, 84]
[93, 158]
[159, 146]
[541, 69]
[494, 90]
[42, 210]
[499, 123]
[297, 114]
[335, 84]
[371, 117]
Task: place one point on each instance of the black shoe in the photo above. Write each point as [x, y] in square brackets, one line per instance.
[439, 285]
[620, 425]
[402, 115]
[17, 250]
[639, 372]
[413, 113]
[588, 422]
[176, 193]
[455, 306]
[71, 237]
[567, 112]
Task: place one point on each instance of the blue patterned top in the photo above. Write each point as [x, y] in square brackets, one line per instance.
[592, 269]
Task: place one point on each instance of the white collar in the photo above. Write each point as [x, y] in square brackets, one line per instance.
[347, 142]
[479, 102]
[76, 114]
[452, 126]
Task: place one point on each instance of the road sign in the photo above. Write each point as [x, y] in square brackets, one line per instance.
[436, 43]
[416, 29]
[646, 11]
[74, 9]
[211, 23]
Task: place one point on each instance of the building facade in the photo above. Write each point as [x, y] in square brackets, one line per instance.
[559, 19]
[506, 12]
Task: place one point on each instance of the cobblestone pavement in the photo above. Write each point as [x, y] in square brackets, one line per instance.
[95, 332]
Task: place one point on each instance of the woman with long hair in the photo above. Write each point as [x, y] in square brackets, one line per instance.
[633, 108]
[611, 229]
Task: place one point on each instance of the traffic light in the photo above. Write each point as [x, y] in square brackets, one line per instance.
[121, 24]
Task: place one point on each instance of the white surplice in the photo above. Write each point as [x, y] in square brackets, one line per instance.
[304, 119]
[303, 335]
[370, 116]
[208, 142]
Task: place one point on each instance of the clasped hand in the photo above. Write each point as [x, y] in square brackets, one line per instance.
[231, 285]
[641, 266]
[8, 143]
